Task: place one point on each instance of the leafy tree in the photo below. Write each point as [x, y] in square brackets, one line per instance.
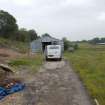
[32, 35]
[26, 36]
[84, 41]
[46, 34]
[8, 24]
[22, 35]
[66, 43]
[102, 40]
[75, 46]
[97, 40]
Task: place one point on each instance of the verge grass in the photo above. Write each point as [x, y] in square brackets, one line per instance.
[32, 63]
[89, 62]
[15, 45]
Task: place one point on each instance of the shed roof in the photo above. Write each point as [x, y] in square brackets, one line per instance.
[45, 39]
[48, 39]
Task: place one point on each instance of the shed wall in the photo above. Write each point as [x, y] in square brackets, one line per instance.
[37, 46]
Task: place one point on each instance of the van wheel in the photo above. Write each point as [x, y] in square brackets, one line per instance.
[46, 59]
[60, 59]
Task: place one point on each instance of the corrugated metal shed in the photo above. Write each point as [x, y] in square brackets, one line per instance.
[39, 44]
[36, 46]
[48, 39]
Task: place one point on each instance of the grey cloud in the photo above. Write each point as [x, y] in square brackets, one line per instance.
[75, 20]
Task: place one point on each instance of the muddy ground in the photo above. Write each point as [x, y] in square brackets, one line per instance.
[54, 84]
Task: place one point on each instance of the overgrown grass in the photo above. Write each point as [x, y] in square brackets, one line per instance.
[15, 45]
[33, 63]
[89, 63]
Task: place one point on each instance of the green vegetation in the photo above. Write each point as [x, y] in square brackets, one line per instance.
[15, 45]
[8, 24]
[89, 63]
[30, 62]
[68, 44]
[9, 29]
[97, 40]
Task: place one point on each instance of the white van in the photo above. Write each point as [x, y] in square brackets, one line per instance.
[53, 52]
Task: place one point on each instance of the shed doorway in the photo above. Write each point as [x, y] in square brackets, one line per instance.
[44, 44]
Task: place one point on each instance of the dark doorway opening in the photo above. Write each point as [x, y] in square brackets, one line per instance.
[44, 44]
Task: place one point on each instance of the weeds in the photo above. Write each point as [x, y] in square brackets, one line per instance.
[31, 62]
[89, 63]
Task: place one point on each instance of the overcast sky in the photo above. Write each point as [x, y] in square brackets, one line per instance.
[74, 19]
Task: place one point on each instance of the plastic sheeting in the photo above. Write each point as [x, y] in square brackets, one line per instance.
[15, 88]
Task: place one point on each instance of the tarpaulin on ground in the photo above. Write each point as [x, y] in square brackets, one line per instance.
[15, 88]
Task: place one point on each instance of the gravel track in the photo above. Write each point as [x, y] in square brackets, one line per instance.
[54, 84]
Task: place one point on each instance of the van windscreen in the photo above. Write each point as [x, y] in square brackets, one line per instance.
[54, 47]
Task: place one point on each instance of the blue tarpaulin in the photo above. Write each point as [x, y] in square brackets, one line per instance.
[3, 93]
[15, 88]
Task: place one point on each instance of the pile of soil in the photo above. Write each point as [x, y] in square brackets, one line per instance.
[5, 52]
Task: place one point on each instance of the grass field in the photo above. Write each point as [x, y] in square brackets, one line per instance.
[89, 62]
[32, 62]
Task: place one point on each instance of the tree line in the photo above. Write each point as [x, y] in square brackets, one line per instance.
[68, 44]
[95, 40]
[9, 29]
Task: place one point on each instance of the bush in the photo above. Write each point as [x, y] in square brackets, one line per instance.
[76, 46]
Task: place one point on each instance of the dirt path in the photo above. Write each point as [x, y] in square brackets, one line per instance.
[55, 84]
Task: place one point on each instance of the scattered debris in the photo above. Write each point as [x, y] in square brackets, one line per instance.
[96, 101]
[12, 88]
[6, 68]
[9, 85]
